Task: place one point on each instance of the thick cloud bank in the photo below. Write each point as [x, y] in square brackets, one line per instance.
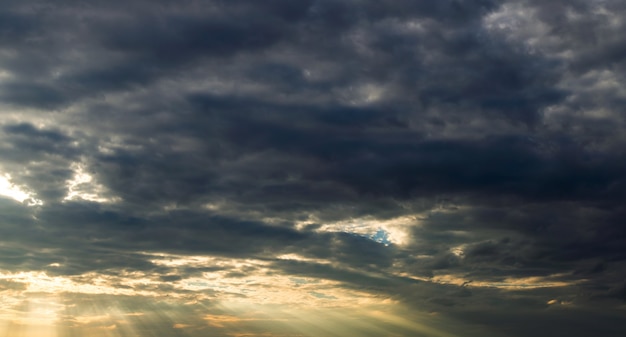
[312, 168]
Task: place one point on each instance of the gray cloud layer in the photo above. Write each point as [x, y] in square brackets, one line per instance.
[244, 128]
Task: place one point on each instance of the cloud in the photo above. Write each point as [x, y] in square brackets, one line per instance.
[456, 161]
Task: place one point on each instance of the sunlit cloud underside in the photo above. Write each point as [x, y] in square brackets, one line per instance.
[219, 301]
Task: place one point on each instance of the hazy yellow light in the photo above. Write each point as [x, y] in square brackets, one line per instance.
[511, 283]
[31, 316]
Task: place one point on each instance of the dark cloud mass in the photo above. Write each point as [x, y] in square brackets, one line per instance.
[312, 168]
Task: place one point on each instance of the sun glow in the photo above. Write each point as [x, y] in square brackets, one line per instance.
[9, 189]
[40, 305]
[223, 296]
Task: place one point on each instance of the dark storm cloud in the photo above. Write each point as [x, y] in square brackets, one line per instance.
[243, 128]
[27, 138]
[98, 239]
[42, 157]
[549, 322]
[32, 95]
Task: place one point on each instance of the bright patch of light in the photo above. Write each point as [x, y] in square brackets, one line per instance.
[363, 94]
[385, 231]
[458, 251]
[296, 257]
[246, 281]
[5, 75]
[84, 187]
[41, 311]
[214, 206]
[40, 282]
[8, 189]
[172, 260]
[371, 92]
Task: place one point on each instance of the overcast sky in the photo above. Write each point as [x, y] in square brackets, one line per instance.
[312, 168]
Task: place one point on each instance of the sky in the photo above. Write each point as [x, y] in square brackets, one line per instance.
[312, 168]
